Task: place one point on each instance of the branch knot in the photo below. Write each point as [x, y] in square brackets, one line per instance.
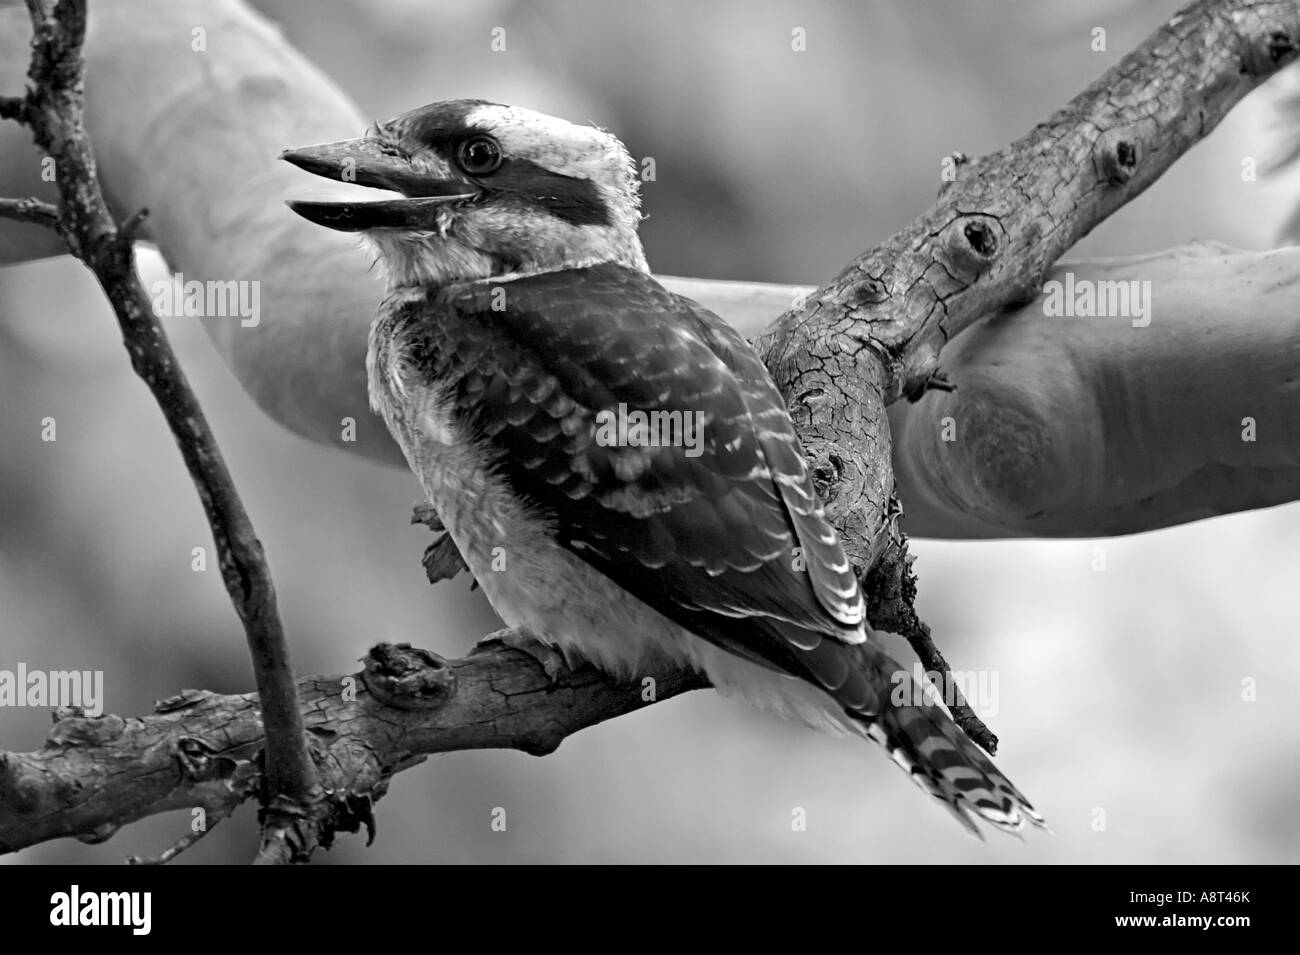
[408, 678]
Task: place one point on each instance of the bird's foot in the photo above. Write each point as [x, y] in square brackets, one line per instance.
[551, 659]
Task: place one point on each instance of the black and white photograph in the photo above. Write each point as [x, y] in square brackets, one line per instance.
[565, 432]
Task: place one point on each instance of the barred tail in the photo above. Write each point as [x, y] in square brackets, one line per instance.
[861, 688]
[920, 736]
[942, 760]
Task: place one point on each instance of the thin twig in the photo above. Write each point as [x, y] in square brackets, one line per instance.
[172, 851]
[54, 113]
[30, 210]
[891, 605]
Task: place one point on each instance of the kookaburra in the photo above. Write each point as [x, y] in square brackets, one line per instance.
[521, 319]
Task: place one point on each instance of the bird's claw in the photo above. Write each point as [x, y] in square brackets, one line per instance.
[551, 659]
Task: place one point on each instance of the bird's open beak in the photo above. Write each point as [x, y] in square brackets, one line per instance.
[366, 163]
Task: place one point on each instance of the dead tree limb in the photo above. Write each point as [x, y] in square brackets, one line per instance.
[202, 749]
[874, 332]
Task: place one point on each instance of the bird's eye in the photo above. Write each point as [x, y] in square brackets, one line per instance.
[479, 155]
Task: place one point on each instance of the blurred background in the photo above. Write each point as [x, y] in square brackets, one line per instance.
[1120, 702]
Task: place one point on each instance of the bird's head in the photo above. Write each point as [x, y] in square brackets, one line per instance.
[487, 190]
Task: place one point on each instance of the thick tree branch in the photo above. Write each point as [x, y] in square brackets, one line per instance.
[53, 112]
[1000, 224]
[1089, 427]
[875, 331]
[201, 749]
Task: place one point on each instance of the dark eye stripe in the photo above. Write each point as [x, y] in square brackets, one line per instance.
[576, 201]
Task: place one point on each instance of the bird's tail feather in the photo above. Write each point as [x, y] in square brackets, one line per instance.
[874, 696]
[943, 761]
[937, 755]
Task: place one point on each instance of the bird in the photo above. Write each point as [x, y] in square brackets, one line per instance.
[612, 460]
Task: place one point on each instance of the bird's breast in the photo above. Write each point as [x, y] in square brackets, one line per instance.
[533, 582]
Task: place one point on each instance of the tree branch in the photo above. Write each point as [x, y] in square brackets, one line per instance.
[1089, 427]
[30, 210]
[874, 332]
[53, 112]
[200, 749]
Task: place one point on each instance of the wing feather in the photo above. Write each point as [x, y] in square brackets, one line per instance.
[705, 533]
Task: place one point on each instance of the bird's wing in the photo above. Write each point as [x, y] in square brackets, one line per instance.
[832, 576]
[707, 536]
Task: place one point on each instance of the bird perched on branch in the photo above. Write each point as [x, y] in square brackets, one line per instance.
[613, 461]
